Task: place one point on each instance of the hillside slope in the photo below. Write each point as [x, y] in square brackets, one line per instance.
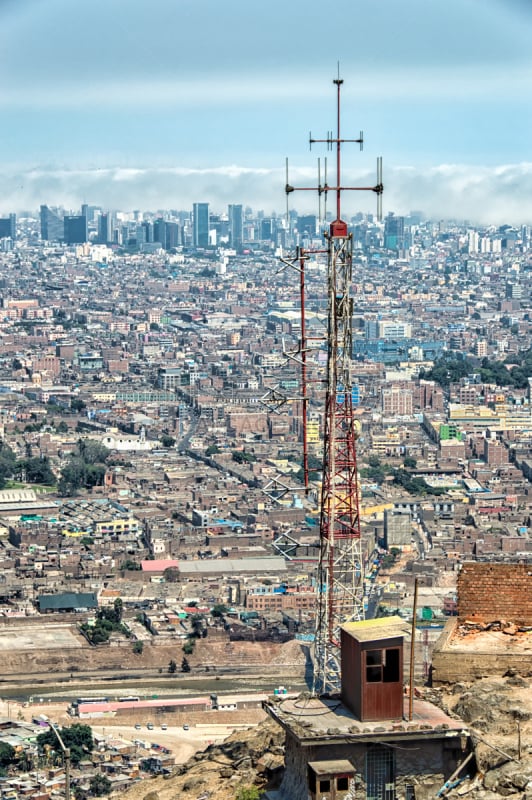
[497, 711]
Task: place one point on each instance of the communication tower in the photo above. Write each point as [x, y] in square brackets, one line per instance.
[341, 570]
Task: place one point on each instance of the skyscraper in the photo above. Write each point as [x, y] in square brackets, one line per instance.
[52, 228]
[394, 232]
[307, 226]
[159, 231]
[105, 228]
[8, 227]
[148, 231]
[201, 224]
[75, 230]
[236, 226]
[172, 235]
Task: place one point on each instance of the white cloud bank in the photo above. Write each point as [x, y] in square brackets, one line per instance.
[485, 195]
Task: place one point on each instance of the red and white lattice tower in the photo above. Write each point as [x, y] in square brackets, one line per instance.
[341, 571]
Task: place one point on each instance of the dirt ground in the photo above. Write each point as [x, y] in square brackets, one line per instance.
[182, 742]
[59, 649]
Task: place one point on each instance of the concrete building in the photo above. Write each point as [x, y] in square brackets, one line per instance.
[368, 743]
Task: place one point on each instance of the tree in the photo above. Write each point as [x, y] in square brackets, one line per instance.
[212, 450]
[94, 475]
[7, 754]
[185, 666]
[84, 468]
[118, 608]
[172, 667]
[77, 404]
[166, 440]
[197, 625]
[171, 575]
[448, 369]
[7, 463]
[72, 477]
[218, 610]
[138, 648]
[36, 470]
[92, 451]
[77, 737]
[130, 564]
[99, 785]
[243, 457]
[188, 647]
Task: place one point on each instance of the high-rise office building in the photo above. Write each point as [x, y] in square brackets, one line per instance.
[159, 231]
[201, 224]
[307, 226]
[148, 231]
[394, 232]
[105, 228]
[8, 227]
[236, 226]
[266, 229]
[52, 228]
[172, 235]
[75, 230]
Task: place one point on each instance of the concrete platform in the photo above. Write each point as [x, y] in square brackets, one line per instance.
[39, 637]
[465, 653]
[317, 718]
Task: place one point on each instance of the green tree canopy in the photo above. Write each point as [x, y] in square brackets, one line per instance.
[7, 754]
[36, 470]
[8, 462]
[77, 737]
[85, 467]
[99, 785]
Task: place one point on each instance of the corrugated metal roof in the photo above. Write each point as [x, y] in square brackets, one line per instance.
[95, 708]
[65, 600]
[233, 565]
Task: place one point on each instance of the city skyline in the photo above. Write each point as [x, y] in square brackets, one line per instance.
[115, 105]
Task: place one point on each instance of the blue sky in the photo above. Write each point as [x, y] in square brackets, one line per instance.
[133, 104]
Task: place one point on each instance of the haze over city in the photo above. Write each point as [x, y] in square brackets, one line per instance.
[127, 105]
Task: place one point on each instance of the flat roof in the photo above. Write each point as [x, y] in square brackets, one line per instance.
[117, 705]
[368, 630]
[334, 767]
[324, 720]
[233, 565]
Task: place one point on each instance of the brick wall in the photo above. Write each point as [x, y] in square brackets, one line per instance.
[490, 592]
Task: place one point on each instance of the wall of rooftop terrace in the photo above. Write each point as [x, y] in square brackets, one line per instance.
[490, 592]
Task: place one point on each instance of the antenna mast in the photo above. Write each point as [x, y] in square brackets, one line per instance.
[340, 571]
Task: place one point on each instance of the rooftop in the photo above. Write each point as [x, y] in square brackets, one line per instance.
[317, 720]
[370, 630]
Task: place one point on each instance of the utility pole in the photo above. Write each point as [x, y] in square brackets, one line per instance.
[66, 757]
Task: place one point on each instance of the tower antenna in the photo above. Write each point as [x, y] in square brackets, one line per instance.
[340, 570]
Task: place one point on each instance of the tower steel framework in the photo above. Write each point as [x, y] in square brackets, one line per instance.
[341, 569]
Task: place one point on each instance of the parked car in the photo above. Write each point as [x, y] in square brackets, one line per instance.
[164, 726]
[150, 726]
[185, 727]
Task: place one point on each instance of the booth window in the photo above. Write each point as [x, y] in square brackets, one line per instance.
[382, 666]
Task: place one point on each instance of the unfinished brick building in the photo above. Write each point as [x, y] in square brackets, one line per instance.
[491, 632]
